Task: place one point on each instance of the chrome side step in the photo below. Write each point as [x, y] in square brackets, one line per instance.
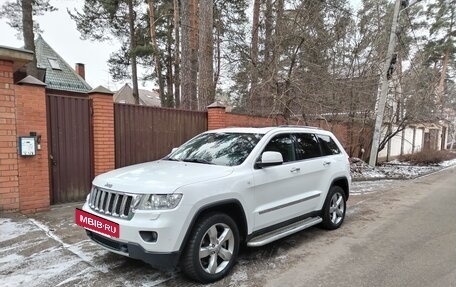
[282, 232]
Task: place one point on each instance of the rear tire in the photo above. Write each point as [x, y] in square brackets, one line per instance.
[212, 248]
[333, 212]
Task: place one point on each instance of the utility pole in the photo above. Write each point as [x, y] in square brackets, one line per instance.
[383, 86]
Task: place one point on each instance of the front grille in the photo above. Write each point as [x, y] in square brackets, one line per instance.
[111, 203]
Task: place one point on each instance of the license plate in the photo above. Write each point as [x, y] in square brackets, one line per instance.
[96, 223]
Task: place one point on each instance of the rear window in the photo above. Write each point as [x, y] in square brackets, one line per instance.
[328, 146]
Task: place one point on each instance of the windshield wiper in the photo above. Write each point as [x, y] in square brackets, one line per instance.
[197, 160]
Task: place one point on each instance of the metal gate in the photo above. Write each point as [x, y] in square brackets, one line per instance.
[148, 133]
[70, 150]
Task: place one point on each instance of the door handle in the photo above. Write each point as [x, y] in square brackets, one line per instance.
[295, 169]
[53, 162]
[326, 163]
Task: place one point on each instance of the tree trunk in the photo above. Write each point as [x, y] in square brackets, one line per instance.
[189, 71]
[278, 34]
[156, 53]
[194, 53]
[176, 55]
[254, 54]
[169, 65]
[134, 68]
[29, 36]
[268, 33]
[218, 41]
[206, 93]
[441, 86]
[276, 52]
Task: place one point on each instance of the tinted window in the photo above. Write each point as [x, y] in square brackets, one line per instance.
[284, 145]
[307, 146]
[217, 148]
[328, 146]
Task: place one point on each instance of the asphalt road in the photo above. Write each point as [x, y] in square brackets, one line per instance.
[402, 237]
[400, 233]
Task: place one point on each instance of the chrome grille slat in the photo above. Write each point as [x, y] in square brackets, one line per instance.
[97, 200]
[122, 203]
[103, 195]
[108, 201]
[122, 206]
[114, 205]
[93, 194]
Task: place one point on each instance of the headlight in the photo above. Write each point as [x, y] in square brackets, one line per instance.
[159, 201]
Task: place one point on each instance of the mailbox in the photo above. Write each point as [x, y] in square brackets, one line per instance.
[27, 146]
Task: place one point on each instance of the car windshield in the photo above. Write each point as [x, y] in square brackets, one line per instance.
[227, 149]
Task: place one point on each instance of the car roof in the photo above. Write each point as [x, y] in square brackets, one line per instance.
[265, 130]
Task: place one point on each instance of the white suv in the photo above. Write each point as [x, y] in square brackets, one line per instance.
[218, 190]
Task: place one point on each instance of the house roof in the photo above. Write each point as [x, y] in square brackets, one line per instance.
[59, 75]
[146, 97]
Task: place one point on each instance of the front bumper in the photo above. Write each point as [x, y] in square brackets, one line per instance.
[168, 224]
[164, 261]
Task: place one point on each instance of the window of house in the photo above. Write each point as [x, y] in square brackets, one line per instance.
[54, 64]
[328, 146]
[307, 146]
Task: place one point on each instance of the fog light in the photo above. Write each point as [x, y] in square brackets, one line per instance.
[149, 236]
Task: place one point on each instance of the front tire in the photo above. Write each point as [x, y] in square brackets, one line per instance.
[333, 212]
[212, 248]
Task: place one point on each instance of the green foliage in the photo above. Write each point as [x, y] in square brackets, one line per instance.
[12, 11]
[441, 14]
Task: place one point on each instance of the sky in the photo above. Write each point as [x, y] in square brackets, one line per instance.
[61, 34]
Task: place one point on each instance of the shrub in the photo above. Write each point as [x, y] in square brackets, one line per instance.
[428, 157]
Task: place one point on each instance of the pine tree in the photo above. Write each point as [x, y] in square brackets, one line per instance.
[441, 46]
[121, 19]
[20, 14]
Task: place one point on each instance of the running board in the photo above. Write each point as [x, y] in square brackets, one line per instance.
[283, 231]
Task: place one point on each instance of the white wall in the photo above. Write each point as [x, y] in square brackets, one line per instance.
[396, 142]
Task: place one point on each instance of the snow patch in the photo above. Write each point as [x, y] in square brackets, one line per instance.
[448, 163]
[363, 187]
[10, 230]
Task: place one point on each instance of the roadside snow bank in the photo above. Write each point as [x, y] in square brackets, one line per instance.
[395, 169]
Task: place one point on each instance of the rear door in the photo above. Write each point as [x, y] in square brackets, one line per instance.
[315, 171]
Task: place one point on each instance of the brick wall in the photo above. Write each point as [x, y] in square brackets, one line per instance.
[216, 117]
[33, 171]
[9, 181]
[103, 132]
[353, 136]
[239, 120]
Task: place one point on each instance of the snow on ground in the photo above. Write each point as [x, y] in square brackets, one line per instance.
[363, 187]
[393, 170]
[448, 163]
[32, 254]
[10, 229]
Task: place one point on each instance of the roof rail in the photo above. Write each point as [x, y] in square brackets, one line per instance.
[299, 126]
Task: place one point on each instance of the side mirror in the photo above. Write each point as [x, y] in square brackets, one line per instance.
[173, 150]
[270, 158]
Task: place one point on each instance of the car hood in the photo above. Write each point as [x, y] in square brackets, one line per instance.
[159, 177]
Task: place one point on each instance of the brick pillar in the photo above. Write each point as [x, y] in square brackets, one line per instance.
[216, 116]
[103, 129]
[34, 192]
[9, 181]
